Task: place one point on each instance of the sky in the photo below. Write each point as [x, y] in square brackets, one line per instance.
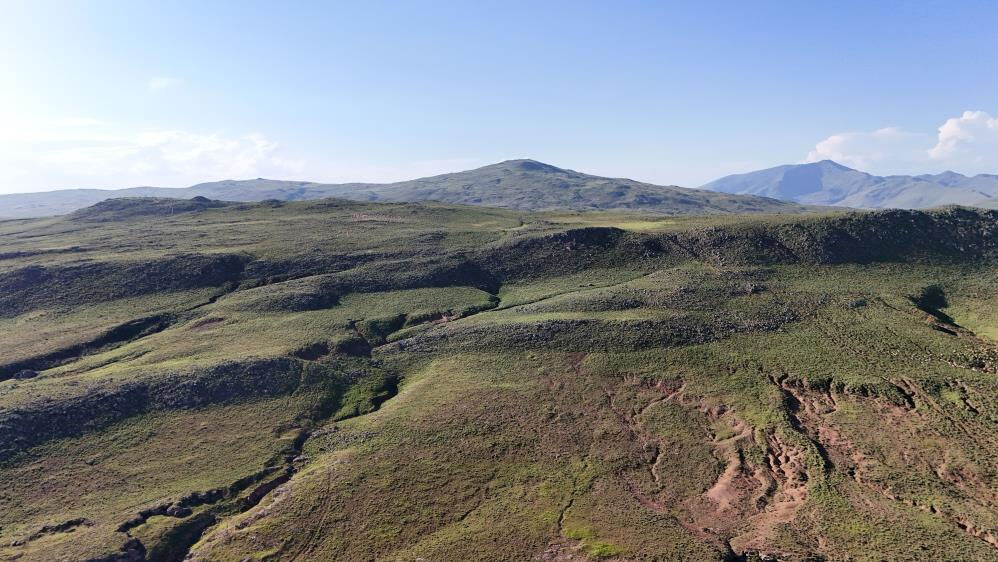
[118, 94]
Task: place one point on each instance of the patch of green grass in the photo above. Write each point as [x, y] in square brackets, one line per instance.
[108, 476]
[514, 294]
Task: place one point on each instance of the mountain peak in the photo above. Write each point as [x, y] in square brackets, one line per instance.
[832, 164]
[528, 165]
[829, 183]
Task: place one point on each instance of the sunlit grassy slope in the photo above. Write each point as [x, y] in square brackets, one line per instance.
[345, 381]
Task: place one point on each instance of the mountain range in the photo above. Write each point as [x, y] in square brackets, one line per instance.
[830, 183]
[513, 184]
[529, 185]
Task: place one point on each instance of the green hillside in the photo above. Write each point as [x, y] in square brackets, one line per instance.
[534, 186]
[339, 380]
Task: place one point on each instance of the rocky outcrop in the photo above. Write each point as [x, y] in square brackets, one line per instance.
[128, 331]
[536, 255]
[37, 286]
[132, 551]
[949, 234]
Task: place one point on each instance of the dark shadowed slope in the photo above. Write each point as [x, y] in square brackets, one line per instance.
[830, 183]
[514, 184]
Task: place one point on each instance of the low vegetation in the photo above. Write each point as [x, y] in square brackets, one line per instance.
[354, 381]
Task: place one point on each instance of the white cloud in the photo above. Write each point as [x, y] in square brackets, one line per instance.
[972, 136]
[86, 153]
[967, 144]
[46, 154]
[161, 82]
[865, 150]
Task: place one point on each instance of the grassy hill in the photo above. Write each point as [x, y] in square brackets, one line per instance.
[535, 186]
[515, 184]
[348, 380]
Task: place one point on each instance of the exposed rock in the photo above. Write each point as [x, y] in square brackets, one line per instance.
[178, 511]
[64, 527]
[132, 551]
[96, 406]
[312, 352]
[36, 286]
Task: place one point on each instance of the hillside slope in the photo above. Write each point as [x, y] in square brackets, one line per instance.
[345, 380]
[829, 183]
[514, 184]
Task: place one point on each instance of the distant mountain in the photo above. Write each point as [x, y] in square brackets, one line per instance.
[514, 184]
[830, 183]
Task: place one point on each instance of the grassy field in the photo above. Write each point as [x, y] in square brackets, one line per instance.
[351, 381]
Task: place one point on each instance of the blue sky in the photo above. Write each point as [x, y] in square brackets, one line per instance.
[123, 93]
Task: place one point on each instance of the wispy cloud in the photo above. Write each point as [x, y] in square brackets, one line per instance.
[968, 143]
[83, 153]
[157, 83]
[866, 150]
[44, 154]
